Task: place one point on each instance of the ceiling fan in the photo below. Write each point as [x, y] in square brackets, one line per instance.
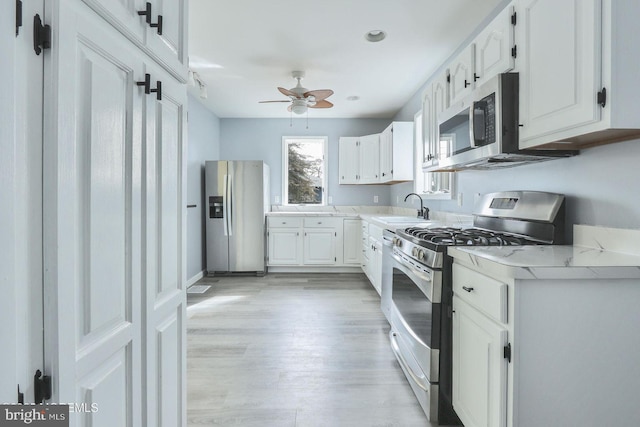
[301, 98]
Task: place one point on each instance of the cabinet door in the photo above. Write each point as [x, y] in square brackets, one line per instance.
[386, 154]
[493, 47]
[370, 159]
[170, 47]
[377, 267]
[559, 62]
[123, 15]
[285, 246]
[349, 160]
[479, 368]
[352, 244]
[461, 74]
[92, 229]
[427, 132]
[164, 296]
[319, 246]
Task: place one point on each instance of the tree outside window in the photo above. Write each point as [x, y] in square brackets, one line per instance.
[305, 171]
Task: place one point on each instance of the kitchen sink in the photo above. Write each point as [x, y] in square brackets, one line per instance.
[401, 219]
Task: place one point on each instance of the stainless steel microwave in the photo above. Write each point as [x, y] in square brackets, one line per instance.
[481, 131]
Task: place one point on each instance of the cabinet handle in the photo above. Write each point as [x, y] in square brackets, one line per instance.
[467, 289]
[466, 83]
[146, 83]
[157, 25]
[297, 233]
[475, 77]
[146, 13]
[157, 90]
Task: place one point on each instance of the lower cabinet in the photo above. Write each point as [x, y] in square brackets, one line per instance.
[352, 247]
[285, 246]
[479, 368]
[319, 246]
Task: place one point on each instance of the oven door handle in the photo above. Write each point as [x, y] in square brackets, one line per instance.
[420, 380]
[413, 271]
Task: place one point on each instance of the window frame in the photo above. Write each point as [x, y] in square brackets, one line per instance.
[285, 169]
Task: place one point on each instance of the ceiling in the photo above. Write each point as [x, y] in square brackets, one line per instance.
[244, 49]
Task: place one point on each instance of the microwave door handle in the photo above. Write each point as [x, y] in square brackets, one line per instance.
[472, 125]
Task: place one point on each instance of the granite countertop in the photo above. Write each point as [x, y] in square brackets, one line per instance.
[597, 253]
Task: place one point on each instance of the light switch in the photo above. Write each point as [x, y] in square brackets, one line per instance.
[375, 199]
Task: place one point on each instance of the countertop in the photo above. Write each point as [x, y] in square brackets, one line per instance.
[559, 261]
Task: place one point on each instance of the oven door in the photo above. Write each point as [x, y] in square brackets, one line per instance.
[415, 317]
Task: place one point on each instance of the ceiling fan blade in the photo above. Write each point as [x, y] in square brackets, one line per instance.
[319, 94]
[264, 102]
[287, 92]
[322, 104]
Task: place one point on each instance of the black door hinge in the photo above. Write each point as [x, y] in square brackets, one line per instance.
[513, 19]
[448, 78]
[42, 387]
[41, 35]
[18, 16]
[20, 396]
[602, 97]
[514, 51]
[507, 352]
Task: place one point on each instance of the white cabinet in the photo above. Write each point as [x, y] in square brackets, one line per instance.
[479, 340]
[369, 159]
[396, 144]
[372, 254]
[578, 72]
[479, 368]
[285, 246]
[319, 246]
[304, 241]
[493, 47]
[461, 70]
[157, 27]
[349, 160]
[352, 245]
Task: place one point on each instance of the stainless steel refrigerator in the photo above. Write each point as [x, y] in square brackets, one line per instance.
[237, 198]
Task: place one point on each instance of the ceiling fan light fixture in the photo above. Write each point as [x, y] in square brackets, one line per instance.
[374, 36]
[299, 107]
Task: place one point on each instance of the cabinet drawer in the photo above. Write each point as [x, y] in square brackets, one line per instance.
[484, 293]
[322, 222]
[284, 222]
[365, 227]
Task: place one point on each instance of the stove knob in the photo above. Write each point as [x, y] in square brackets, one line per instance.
[421, 255]
[414, 252]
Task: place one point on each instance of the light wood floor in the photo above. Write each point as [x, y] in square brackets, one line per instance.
[293, 350]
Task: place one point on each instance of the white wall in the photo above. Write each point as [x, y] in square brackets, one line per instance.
[203, 144]
[261, 139]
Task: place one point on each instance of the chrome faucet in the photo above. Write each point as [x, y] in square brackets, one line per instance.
[424, 211]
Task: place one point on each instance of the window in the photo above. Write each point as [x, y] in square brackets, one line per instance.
[304, 170]
[432, 185]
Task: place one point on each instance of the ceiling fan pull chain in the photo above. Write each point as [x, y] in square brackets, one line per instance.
[307, 119]
[291, 120]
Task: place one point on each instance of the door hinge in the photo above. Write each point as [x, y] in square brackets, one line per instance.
[602, 97]
[507, 352]
[20, 396]
[448, 78]
[335, 259]
[41, 35]
[18, 16]
[514, 51]
[513, 18]
[42, 387]
[335, 234]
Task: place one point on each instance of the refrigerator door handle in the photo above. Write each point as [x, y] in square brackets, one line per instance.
[230, 205]
[226, 204]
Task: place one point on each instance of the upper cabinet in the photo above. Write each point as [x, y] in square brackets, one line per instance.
[578, 72]
[396, 151]
[494, 53]
[381, 158]
[461, 74]
[158, 27]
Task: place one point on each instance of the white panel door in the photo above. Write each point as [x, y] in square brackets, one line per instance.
[170, 47]
[461, 74]
[559, 57]
[348, 160]
[285, 246]
[493, 47]
[370, 159]
[319, 246]
[479, 368]
[164, 295]
[92, 187]
[386, 154]
[123, 14]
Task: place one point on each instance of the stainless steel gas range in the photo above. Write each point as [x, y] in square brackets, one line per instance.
[421, 288]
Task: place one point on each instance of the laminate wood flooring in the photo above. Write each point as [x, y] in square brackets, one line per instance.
[293, 350]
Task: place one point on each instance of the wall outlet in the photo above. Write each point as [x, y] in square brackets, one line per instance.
[276, 199]
[330, 200]
[375, 199]
[459, 199]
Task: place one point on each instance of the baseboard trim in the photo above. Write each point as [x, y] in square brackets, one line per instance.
[314, 269]
[195, 278]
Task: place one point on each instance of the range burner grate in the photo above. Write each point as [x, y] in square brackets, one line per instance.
[451, 236]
